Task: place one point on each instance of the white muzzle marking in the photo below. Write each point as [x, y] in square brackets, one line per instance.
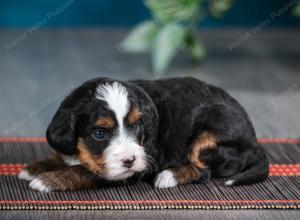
[123, 145]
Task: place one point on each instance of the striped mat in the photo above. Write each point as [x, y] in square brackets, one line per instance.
[280, 191]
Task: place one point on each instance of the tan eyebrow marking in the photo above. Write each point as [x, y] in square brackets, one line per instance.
[134, 115]
[105, 122]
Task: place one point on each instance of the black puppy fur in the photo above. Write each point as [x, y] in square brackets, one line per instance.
[189, 131]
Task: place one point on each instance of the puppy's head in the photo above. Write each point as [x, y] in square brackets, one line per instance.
[111, 126]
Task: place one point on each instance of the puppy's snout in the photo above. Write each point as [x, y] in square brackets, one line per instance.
[128, 162]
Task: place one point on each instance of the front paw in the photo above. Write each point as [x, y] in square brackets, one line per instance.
[47, 182]
[25, 174]
[40, 185]
[32, 171]
[165, 179]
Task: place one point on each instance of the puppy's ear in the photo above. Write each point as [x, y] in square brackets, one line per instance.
[150, 118]
[61, 133]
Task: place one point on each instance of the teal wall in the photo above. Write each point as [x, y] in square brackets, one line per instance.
[128, 12]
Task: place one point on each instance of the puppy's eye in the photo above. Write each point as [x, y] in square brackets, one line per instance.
[98, 134]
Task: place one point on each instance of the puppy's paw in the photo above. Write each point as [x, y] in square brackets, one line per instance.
[26, 175]
[32, 171]
[48, 182]
[229, 182]
[40, 185]
[165, 179]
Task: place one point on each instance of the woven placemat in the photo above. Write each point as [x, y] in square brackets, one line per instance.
[280, 191]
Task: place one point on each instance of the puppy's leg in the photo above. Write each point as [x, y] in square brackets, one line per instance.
[240, 155]
[74, 178]
[196, 170]
[220, 126]
[70, 178]
[185, 174]
[54, 162]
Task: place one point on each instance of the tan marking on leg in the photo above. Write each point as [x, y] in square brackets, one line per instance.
[204, 141]
[192, 171]
[187, 174]
[95, 164]
[70, 178]
[134, 116]
[105, 122]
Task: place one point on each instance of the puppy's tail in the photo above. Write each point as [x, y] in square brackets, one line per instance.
[256, 170]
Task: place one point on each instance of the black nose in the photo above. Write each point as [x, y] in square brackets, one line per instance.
[128, 162]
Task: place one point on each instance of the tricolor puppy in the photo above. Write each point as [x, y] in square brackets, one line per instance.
[169, 131]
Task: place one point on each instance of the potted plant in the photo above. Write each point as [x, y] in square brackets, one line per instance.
[173, 27]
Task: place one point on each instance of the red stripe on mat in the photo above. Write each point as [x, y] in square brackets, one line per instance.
[22, 139]
[275, 169]
[284, 170]
[143, 202]
[279, 140]
[43, 140]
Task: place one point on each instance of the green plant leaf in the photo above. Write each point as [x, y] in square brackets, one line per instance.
[218, 8]
[296, 10]
[141, 38]
[167, 42]
[173, 10]
[194, 48]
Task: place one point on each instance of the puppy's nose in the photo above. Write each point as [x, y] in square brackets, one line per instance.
[128, 162]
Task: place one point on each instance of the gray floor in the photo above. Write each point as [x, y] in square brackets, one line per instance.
[38, 70]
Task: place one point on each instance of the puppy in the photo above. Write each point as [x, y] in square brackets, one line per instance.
[169, 131]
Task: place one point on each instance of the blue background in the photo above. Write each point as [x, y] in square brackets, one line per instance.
[129, 12]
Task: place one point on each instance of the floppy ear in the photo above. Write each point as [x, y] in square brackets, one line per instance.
[61, 133]
[150, 118]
